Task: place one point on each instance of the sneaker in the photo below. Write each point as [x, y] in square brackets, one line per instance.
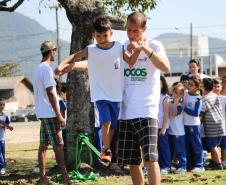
[145, 171]
[224, 165]
[36, 169]
[165, 170]
[2, 171]
[180, 170]
[106, 155]
[198, 170]
[214, 166]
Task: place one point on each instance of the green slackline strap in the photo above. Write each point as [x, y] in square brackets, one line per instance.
[76, 176]
[82, 143]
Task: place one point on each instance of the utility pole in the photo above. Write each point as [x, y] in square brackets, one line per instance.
[57, 35]
[191, 47]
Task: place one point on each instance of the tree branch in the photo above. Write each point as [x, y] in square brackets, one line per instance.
[3, 5]
[117, 23]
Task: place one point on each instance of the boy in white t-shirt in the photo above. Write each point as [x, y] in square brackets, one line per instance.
[105, 70]
[4, 124]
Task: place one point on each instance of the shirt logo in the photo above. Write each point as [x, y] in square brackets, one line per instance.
[136, 74]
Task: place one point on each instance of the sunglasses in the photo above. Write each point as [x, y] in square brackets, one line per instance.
[2, 104]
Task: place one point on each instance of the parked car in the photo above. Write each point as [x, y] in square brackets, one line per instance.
[20, 115]
[31, 115]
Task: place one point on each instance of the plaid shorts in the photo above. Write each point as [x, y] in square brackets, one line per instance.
[134, 136]
[50, 132]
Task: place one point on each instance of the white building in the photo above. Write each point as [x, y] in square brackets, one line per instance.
[178, 50]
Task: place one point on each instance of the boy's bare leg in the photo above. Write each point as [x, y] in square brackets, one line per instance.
[42, 163]
[106, 134]
[111, 134]
[154, 177]
[60, 161]
[215, 156]
[136, 174]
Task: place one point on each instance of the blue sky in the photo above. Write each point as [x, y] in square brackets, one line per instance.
[208, 18]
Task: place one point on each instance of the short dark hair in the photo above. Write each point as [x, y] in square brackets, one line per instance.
[102, 24]
[164, 88]
[135, 16]
[217, 81]
[63, 89]
[207, 84]
[184, 77]
[58, 84]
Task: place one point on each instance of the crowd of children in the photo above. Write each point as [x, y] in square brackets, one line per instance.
[192, 122]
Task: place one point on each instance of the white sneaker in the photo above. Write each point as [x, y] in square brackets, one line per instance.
[198, 170]
[36, 169]
[145, 171]
[165, 170]
[180, 170]
[2, 171]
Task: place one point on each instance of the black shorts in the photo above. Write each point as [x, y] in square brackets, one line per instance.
[134, 136]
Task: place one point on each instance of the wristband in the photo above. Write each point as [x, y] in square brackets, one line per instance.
[151, 54]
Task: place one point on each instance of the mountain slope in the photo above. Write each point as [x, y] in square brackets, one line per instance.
[20, 39]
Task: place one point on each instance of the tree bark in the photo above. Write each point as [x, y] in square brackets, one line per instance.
[80, 112]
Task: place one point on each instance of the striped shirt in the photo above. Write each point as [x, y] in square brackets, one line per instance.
[212, 114]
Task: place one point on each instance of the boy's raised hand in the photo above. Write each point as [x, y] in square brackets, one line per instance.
[10, 128]
[60, 70]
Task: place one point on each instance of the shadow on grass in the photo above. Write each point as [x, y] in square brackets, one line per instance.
[21, 171]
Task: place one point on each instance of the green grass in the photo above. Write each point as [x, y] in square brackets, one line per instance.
[21, 159]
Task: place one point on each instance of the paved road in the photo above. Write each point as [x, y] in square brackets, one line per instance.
[23, 132]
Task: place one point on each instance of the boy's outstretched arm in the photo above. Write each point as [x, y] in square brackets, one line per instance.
[76, 66]
[159, 62]
[71, 58]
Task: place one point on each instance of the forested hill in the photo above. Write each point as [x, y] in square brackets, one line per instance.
[20, 39]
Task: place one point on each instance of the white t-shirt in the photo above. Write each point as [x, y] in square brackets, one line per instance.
[4, 118]
[191, 102]
[105, 69]
[176, 125]
[42, 79]
[161, 110]
[142, 85]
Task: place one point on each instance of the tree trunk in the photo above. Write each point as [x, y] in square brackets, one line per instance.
[80, 112]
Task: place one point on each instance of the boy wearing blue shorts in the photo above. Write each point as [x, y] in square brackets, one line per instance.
[105, 71]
